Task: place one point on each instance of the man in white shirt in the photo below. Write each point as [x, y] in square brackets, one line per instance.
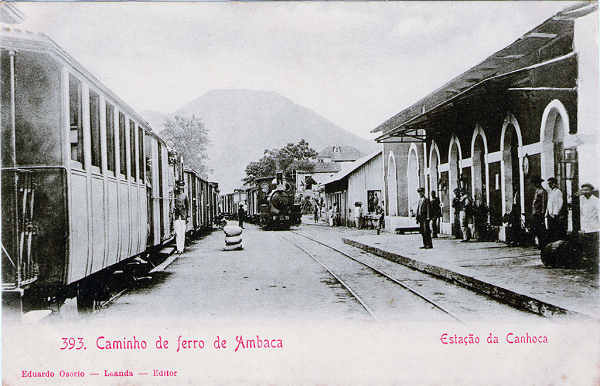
[590, 226]
[357, 214]
[588, 206]
[554, 212]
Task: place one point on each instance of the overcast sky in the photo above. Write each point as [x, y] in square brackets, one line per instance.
[354, 63]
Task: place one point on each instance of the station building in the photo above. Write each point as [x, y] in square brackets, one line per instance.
[530, 109]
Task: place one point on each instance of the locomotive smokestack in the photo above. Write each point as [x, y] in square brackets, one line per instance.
[278, 172]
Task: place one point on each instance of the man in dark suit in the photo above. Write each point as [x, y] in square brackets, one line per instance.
[241, 215]
[538, 211]
[423, 218]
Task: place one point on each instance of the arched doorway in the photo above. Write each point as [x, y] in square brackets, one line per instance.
[558, 161]
[512, 189]
[479, 169]
[454, 157]
[392, 186]
[412, 172]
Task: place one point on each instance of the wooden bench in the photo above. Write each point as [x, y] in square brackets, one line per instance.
[404, 230]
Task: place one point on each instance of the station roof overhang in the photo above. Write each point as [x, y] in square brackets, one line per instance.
[10, 14]
[417, 129]
[507, 70]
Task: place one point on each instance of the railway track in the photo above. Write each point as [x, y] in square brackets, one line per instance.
[342, 282]
[370, 267]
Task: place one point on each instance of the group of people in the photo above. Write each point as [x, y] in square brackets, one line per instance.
[549, 212]
[333, 214]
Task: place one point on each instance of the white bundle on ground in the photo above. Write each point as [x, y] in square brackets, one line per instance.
[234, 247]
[233, 237]
[232, 230]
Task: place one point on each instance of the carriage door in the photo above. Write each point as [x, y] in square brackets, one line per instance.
[194, 202]
[19, 265]
[565, 169]
[160, 193]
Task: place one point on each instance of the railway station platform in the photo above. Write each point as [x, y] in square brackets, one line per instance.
[513, 275]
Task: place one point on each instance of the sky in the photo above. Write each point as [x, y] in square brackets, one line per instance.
[356, 63]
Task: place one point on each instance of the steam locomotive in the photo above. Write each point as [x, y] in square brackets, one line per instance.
[272, 205]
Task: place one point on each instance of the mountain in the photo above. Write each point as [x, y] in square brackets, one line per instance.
[243, 123]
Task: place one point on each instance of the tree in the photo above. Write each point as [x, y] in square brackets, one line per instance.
[189, 137]
[290, 158]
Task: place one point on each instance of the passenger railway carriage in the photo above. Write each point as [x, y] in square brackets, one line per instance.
[253, 210]
[201, 200]
[86, 185]
[228, 206]
[213, 189]
[163, 168]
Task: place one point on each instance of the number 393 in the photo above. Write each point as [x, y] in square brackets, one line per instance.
[73, 343]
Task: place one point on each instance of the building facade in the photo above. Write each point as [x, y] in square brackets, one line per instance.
[360, 182]
[528, 110]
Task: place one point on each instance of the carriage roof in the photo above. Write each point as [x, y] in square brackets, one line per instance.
[18, 39]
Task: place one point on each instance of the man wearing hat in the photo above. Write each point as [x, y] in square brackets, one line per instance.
[457, 205]
[423, 217]
[554, 212]
[241, 215]
[538, 211]
[181, 215]
[466, 206]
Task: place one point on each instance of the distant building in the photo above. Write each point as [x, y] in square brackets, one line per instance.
[328, 162]
[308, 182]
[361, 181]
[338, 154]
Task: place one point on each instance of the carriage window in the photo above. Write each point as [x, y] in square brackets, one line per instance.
[122, 144]
[95, 129]
[141, 151]
[132, 148]
[76, 132]
[110, 137]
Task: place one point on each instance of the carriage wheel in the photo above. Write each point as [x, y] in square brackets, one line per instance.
[87, 301]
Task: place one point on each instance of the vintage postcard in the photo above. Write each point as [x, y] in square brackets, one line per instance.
[300, 193]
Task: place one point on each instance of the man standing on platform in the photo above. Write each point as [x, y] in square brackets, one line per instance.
[380, 218]
[241, 215]
[423, 218]
[181, 216]
[538, 211]
[590, 225]
[358, 213]
[590, 212]
[554, 212]
[456, 204]
[466, 206]
[436, 213]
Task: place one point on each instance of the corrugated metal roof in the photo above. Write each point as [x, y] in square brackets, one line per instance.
[350, 168]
